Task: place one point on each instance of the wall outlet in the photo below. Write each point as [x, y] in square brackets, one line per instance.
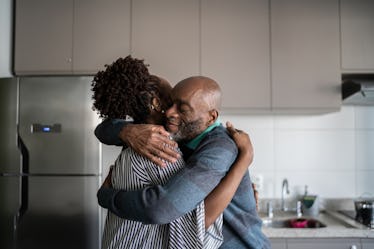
[258, 180]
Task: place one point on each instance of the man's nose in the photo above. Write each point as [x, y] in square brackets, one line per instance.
[172, 111]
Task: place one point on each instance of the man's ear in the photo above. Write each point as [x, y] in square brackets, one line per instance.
[213, 116]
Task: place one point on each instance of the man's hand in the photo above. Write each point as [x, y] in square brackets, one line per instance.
[151, 141]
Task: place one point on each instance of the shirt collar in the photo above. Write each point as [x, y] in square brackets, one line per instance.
[195, 142]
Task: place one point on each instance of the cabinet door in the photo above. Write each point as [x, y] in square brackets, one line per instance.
[367, 243]
[323, 244]
[101, 33]
[278, 243]
[166, 34]
[305, 54]
[6, 22]
[43, 37]
[357, 32]
[235, 51]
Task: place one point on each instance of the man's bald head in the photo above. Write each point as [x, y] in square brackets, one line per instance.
[204, 88]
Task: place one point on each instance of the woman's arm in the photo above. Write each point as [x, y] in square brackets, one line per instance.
[220, 197]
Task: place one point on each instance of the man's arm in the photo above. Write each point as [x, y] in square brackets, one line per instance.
[151, 141]
[108, 131]
[163, 204]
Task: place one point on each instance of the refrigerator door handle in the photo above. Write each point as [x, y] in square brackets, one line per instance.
[24, 193]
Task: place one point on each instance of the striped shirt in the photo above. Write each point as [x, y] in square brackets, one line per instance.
[132, 172]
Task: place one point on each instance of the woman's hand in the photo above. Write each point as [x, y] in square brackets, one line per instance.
[245, 147]
[243, 142]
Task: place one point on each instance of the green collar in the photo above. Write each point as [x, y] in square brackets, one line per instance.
[195, 142]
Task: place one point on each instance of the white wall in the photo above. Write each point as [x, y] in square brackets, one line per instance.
[5, 38]
[333, 153]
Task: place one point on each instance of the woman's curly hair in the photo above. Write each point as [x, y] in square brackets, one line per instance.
[125, 88]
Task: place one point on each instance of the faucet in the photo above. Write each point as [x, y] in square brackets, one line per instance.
[285, 191]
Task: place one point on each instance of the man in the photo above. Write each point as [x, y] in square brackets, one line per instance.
[209, 152]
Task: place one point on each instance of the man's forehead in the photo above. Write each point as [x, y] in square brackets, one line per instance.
[187, 95]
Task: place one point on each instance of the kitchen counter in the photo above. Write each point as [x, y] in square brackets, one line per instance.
[337, 226]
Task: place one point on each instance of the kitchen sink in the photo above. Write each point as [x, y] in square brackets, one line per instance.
[292, 223]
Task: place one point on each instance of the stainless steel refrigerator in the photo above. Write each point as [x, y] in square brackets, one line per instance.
[49, 164]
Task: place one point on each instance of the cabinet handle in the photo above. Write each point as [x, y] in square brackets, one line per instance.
[353, 247]
[69, 60]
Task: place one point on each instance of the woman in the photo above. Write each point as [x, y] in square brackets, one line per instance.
[125, 89]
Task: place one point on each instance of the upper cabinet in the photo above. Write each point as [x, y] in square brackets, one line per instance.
[266, 55]
[101, 33]
[357, 35]
[305, 55]
[166, 34]
[70, 36]
[43, 36]
[5, 38]
[235, 51]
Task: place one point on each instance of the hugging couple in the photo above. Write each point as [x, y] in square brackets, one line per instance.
[181, 180]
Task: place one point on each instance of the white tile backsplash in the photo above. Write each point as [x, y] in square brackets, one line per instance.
[314, 150]
[331, 153]
[244, 122]
[327, 184]
[365, 183]
[365, 149]
[364, 117]
[338, 120]
[263, 147]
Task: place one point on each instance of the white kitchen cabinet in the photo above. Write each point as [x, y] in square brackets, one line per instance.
[305, 55]
[70, 36]
[357, 34]
[235, 51]
[323, 244]
[43, 36]
[166, 34]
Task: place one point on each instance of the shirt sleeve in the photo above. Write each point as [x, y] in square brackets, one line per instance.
[108, 130]
[183, 192]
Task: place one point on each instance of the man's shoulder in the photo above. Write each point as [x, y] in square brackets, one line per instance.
[219, 133]
[219, 137]
[215, 151]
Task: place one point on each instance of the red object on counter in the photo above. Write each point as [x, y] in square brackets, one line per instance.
[299, 223]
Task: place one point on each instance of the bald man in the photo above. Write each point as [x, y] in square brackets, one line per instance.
[209, 152]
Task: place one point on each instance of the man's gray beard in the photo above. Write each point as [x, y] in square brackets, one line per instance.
[187, 131]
